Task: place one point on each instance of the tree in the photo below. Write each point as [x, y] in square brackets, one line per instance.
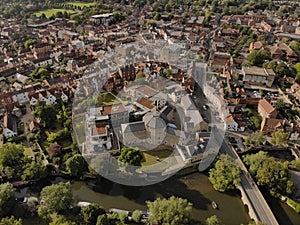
[254, 161]
[54, 150]
[213, 220]
[172, 211]
[55, 199]
[271, 65]
[10, 221]
[130, 156]
[102, 220]
[256, 138]
[256, 119]
[282, 69]
[11, 160]
[140, 75]
[34, 170]
[11, 154]
[76, 165]
[295, 45]
[137, 216]
[297, 69]
[151, 23]
[280, 105]
[123, 217]
[168, 73]
[225, 175]
[276, 176]
[61, 220]
[91, 212]
[7, 200]
[47, 113]
[270, 173]
[29, 42]
[52, 136]
[279, 137]
[257, 58]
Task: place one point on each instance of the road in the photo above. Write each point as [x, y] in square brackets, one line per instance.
[254, 195]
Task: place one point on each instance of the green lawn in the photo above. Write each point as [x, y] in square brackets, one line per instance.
[50, 12]
[81, 4]
[155, 156]
[106, 99]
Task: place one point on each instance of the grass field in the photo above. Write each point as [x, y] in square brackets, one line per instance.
[106, 99]
[50, 12]
[155, 156]
[81, 4]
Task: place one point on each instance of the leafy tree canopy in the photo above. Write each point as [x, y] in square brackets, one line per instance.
[137, 216]
[279, 137]
[257, 58]
[10, 221]
[213, 220]
[91, 212]
[225, 175]
[76, 165]
[270, 173]
[172, 211]
[46, 113]
[56, 199]
[7, 200]
[256, 138]
[102, 220]
[130, 156]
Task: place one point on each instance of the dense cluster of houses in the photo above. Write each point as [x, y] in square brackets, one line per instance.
[161, 112]
[63, 46]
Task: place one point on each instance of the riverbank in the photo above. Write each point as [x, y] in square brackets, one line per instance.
[188, 184]
[195, 187]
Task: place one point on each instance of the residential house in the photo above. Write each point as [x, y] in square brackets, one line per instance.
[10, 128]
[21, 96]
[231, 124]
[283, 51]
[266, 110]
[258, 76]
[219, 61]
[102, 19]
[270, 125]
[266, 27]
[40, 62]
[41, 50]
[258, 45]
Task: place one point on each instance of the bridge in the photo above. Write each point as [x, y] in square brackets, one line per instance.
[259, 209]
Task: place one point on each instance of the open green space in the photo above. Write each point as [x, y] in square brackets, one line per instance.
[52, 12]
[106, 99]
[81, 4]
[154, 156]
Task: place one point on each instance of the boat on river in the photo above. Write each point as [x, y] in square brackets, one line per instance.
[214, 205]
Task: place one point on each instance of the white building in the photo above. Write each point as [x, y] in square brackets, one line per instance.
[231, 124]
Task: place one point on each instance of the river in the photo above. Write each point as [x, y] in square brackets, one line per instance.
[195, 187]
